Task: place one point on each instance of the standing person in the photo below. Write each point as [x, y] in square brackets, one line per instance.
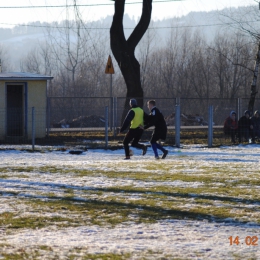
[134, 118]
[231, 126]
[245, 127]
[156, 119]
[256, 124]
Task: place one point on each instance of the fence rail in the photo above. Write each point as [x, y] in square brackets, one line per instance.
[67, 115]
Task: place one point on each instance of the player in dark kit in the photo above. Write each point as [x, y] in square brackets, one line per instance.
[156, 119]
[134, 118]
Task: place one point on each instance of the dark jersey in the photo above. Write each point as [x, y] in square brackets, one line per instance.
[244, 123]
[156, 119]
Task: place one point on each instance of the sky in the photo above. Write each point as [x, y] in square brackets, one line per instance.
[14, 12]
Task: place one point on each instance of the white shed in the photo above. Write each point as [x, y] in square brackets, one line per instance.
[19, 92]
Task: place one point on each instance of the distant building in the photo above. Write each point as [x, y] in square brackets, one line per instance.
[19, 92]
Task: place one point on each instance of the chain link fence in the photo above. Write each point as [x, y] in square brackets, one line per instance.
[18, 125]
[79, 120]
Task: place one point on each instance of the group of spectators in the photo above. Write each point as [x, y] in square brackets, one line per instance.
[245, 128]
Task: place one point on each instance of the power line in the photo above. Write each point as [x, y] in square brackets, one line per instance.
[150, 28]
[83, 5]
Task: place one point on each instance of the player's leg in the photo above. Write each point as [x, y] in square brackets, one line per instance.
[153, 142]
[137, 137]
[128, 138]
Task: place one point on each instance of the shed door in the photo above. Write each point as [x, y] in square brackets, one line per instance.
[15, 110]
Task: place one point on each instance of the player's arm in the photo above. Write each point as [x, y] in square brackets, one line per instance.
[151, 120]
[129, 117]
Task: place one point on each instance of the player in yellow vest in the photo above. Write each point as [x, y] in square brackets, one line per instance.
[134, 118]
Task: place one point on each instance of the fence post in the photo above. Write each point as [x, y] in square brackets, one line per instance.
[111, 102]
[33, 128]
[48, 117]
[210, 126]
[114, 115]
[106, 126]
[177, 101]
[111, 114]
[238, 108]
[177, 125]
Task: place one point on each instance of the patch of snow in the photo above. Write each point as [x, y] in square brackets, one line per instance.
[179, 238]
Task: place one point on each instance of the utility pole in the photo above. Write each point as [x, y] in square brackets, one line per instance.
[110, 70]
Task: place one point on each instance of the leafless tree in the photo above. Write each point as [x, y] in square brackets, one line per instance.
[200, 68]
[124, 50]
[170, 60]
[5, 59]
[232, 64]
[247, 23]
[144, 50]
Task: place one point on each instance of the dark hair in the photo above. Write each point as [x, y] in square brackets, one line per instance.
[151, 102]
[133, 102]
[247, 112]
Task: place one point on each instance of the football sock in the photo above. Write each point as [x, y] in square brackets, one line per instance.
[160, 147]
[154, 146]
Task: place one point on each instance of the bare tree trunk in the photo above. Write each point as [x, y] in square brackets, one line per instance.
[123, 50]
[253, 85]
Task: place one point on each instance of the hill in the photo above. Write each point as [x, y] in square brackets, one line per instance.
[23, 38]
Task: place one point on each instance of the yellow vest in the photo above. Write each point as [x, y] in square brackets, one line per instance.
[138, 119]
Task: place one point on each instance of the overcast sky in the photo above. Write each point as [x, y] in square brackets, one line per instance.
[97, 9]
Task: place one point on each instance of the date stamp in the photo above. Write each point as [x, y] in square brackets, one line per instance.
[249, 240]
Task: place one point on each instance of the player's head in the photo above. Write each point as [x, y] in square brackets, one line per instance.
[151, 104]
[133, 102]
[247, 113]
[233, 115]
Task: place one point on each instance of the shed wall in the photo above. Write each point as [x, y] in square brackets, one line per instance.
[36, 97]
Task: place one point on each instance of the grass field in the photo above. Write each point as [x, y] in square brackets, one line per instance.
[55, 205]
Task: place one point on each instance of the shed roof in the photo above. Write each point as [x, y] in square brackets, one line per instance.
[23, 76]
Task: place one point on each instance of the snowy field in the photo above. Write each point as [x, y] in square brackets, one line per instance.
[198, 203]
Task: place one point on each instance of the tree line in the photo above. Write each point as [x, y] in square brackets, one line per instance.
[183, 64]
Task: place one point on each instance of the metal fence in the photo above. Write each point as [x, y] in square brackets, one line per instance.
[76, 112]
[66, 115]
[19, 125]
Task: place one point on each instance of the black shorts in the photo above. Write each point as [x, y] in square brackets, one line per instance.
[157, 135]
[135, 134]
